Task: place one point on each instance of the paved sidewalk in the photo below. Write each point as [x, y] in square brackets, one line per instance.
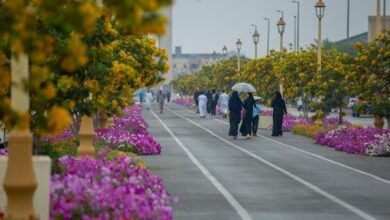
[267, 178]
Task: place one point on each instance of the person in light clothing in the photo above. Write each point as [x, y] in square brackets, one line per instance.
[148, 100]
[256, 112]
[223, 103]
[202, 99]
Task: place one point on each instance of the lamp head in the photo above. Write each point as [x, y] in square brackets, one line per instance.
[281, 26]
[238, 44]
[320, 9]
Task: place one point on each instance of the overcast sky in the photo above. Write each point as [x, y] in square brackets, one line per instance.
[201, 26]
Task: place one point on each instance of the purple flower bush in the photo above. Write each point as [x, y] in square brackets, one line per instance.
[107, 189]
[334, 121]
[129, 133]
[3, 153]
[289, 121]
[139, 143]
[369, 141]
[184, 101]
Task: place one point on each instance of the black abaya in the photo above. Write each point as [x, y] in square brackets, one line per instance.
[246, 126]
[279, 109]
[235, 107]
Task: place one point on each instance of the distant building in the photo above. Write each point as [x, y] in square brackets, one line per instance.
[372, 26]
[363, 37]
[191, 62]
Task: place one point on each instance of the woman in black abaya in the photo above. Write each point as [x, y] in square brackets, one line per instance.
[279, 109]
[235, 107]
[246, 126]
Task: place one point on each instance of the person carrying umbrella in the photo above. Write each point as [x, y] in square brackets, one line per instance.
[235, 107]
[246, 126]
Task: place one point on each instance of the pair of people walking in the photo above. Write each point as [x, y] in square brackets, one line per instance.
[251, 115]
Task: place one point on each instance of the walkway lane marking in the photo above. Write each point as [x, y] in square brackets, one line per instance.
[313, 187]
[318, 156]
[228, 196]
[322, 158]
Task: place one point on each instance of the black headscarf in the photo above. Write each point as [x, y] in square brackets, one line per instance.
[235, 103]
[278, 99]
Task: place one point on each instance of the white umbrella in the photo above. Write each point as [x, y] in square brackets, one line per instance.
[243, 87]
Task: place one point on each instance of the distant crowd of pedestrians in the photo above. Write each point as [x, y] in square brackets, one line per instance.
[245, 112]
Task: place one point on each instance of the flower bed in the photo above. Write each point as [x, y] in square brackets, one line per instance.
[3, 153]
[107, 189]
[184, 101]
[56, 146]
[368, 141]
[129, 133]
[140, 143]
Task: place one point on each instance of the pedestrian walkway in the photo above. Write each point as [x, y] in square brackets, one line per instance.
[289, 177]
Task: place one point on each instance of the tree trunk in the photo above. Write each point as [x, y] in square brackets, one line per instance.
[388, 122]
[75, 127]
[340, 111]
[36, 144]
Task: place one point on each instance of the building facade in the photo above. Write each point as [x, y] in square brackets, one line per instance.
[189, 63]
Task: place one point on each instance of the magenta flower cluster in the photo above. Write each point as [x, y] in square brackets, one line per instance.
[184, 101]
[3, 153]
[129, 133]
[67, 134]
[104, 189]
[369, 141]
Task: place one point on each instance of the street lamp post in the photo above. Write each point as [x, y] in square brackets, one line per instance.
[295, 33]
[378, 18]
[224, 50]
[348, 11]
[320, 10]
[281, 27]
[239, 45]
[214, 55]
[256, 37]
[298, 20]
[269, 21]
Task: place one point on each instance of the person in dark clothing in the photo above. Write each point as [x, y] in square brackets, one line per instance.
[196, 96]
[208, 95]
[235, 107]
[214, 102]
[246, 126]
[168, 96]
[279, 109]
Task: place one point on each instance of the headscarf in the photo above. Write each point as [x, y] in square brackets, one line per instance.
[235, 102]
[278, 99]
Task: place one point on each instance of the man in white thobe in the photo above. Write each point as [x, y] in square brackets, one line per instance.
[148, 100]
[223, 103]
[202, 105]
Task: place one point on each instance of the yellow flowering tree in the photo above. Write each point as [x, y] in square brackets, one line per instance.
[371, 73]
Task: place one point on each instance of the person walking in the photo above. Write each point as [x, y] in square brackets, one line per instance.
[223, 103]
[148, 100]
[196, 100]
[202, 105]
[299, 104]
[141, 96]
[279, 109]
[235, 107]
[246, 126]
[214, 102]
[208, 95]
[168, 97]
[161, 100]
[256, 112]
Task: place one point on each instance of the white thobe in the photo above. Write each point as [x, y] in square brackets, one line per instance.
[202, 105]
[223, 103]
[148, 99]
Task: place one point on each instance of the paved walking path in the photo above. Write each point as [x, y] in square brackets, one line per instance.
[216, 177]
